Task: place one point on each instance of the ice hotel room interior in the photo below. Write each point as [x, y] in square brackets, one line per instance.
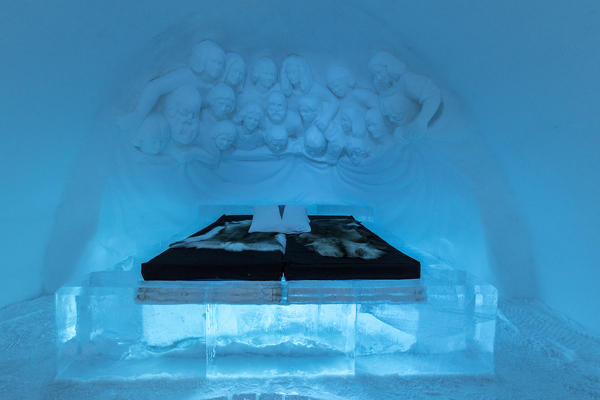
[333, 199]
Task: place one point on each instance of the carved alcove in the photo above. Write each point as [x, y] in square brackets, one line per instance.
[219, 108]
[241, 117]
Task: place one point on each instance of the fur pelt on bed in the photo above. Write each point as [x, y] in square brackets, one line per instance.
[340, 238]
[234, 236]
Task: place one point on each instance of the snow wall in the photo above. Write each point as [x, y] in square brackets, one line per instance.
[503, 186]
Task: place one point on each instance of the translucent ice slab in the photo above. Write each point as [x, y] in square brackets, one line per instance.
[113, 326]
[278, 340]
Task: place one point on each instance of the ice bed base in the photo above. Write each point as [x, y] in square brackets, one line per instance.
[113, 327]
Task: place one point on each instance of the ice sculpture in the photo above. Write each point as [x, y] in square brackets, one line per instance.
[224, 134]
[221, 101]
[297, 81]
[278, 114]
[235, 71]
[442, 324]
[376, 125]
[309, 108]
[276, 138]
[357, 150]
[322, 123]
[153, 135]
[296, 76]
[250, 119]
[314, 142]
[207, 61]
[390, 77]
[205, 66]
[182, 111]
[342, 84]
[264, 75]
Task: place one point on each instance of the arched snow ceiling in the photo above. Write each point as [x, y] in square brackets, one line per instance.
[522, 76]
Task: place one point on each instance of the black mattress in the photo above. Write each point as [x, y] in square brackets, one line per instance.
[184, 264]
[364, 256]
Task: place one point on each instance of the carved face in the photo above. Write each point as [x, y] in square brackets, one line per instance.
[251, 121]
[357, 151]
[182, 109]
[265, 74]
[184, 125]
[308, 108]
[215, 63]
[346, 122]
[276, 139]
[277, 107]
[208, 59]
[375, 124]
[224, 134]
[398, 109]
[221, 101]
[222, 107]
[382, 79]
[293, 73]
[236, 74]
[314, 142]
[223, 142]
[340, 87]
[252, 114]
[153, 135]
[339, 81]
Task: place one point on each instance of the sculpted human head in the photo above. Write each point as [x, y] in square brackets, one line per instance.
[235, 70]
[398, 109]
[375, 124]
[385, 70]
[357, 150]
[251, 115]
[276, 138]
[182, 110]
[352, 121]
[295, 75]
[208, 60]
[224, 134]
[221, 101]
[315, 143]
[308, 108]
[276, 107]
[340, 81]
[345, 122]
[264, 74]
[153, 135]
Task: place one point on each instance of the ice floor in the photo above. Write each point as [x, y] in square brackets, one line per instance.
[538, 356]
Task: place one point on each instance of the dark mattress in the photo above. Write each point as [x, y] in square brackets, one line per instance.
[338, 247]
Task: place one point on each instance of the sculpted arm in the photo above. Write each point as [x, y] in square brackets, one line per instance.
[366, 98]
[330, 108]
[152, 92]
[426, 93]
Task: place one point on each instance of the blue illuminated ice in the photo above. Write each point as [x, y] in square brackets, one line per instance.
[277, 340]
[441, 324]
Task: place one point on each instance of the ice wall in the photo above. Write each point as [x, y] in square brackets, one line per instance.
[529, 74]
[58, 65]
[509, 66]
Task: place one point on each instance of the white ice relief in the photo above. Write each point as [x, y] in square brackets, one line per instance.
[218, 105]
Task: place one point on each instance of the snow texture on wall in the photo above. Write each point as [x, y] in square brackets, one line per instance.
[502, 185]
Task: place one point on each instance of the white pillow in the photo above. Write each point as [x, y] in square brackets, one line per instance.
[295, 219]
[266, 219]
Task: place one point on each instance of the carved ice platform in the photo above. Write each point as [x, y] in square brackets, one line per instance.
[114, 326]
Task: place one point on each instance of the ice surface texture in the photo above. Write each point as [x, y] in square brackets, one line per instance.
[443, 324]
[537, 355]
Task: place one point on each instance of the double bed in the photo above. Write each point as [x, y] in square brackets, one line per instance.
[336, 248]
[216, 304]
